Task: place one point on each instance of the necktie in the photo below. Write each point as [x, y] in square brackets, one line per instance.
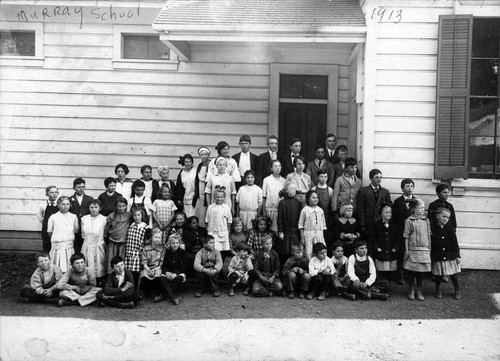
[273, 155]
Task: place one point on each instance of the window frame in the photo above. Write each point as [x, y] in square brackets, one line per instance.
[119, 62]
[456, 149]
[24, 60]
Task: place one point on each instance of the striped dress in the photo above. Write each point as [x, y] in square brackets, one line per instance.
[135, 245]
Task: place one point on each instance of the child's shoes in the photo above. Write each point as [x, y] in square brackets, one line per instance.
[301, 294]
[322, 296]
[349, 296]
[420, 295]
[380, 296]
[127, 304]
[176, 301]
[197, 294]
[231, 291]
[62, 303]
[247, 291]
[291, 295]
[216, 293]
[439, 293]
[458, 294]
[411, 292]
[159, 298]
[310, 296]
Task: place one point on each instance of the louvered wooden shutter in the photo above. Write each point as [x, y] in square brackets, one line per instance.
[453, 89]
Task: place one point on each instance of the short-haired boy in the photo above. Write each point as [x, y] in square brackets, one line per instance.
[45, 210]
[325, 194]
[42, 287]
[363, 275]
[109, 198]
[347, 186]
[208, 264]
[119, 290]
[295, 272]
[322, 272]
[443, 193]
[79, 205]
[239, 267]
[266, 270]
[400, 211]
[78, 285]
[370, 198]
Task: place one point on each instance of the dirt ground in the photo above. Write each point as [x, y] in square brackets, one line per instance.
[477, 302]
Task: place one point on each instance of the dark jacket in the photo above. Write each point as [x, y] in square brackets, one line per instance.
[253, 160]
[175, 262]
[112, 288]
[259, 260]
[386, 239]
[156, 189]
[368, 206]
[80, 210]
[444, 243]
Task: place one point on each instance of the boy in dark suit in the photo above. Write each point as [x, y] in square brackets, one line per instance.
[119, 290]
[79, 205]
[287, 161]
[265, 160]
[400, 211]
[246, 160]
[330, 143]
[370, 198]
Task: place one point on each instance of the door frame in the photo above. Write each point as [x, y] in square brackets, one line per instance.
[332, 71]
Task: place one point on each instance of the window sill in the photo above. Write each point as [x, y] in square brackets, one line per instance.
[459, 185]
[24, 61]
[138, 64]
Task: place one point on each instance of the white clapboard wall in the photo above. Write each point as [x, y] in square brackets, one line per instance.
[405, 105]
[79, 117]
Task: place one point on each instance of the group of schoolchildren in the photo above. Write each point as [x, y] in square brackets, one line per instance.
[314, 234]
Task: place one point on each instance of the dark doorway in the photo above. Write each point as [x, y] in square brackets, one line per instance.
[304, 121]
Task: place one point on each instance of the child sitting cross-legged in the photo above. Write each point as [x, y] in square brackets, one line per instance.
[362, 274]
[340, 263]
[42, 287]
[119, 290]
[266, 272]
[239, 266]
[78, 285]
[208, 263]
[322, 272]
[295, 272]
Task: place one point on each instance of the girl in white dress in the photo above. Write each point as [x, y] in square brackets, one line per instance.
[94, 247]
[185, 186]
[223, 181]
[249, 201]
[147, 179]
[312, 223]
[61, 228]
[271, 188]
[219, 220]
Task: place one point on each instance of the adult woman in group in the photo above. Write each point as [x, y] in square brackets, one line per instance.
[201, 178]
[123, 184]
[232, 167]
[185, 185]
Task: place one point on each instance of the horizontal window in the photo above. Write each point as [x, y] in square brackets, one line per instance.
[144, 47]
[17, 43]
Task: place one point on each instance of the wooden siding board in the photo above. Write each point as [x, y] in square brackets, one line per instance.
[155, 90]
[133, 113]
[133, 101]
[163, 126]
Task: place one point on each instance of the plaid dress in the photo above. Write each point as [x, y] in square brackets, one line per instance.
[135, 245]
[165, 209]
